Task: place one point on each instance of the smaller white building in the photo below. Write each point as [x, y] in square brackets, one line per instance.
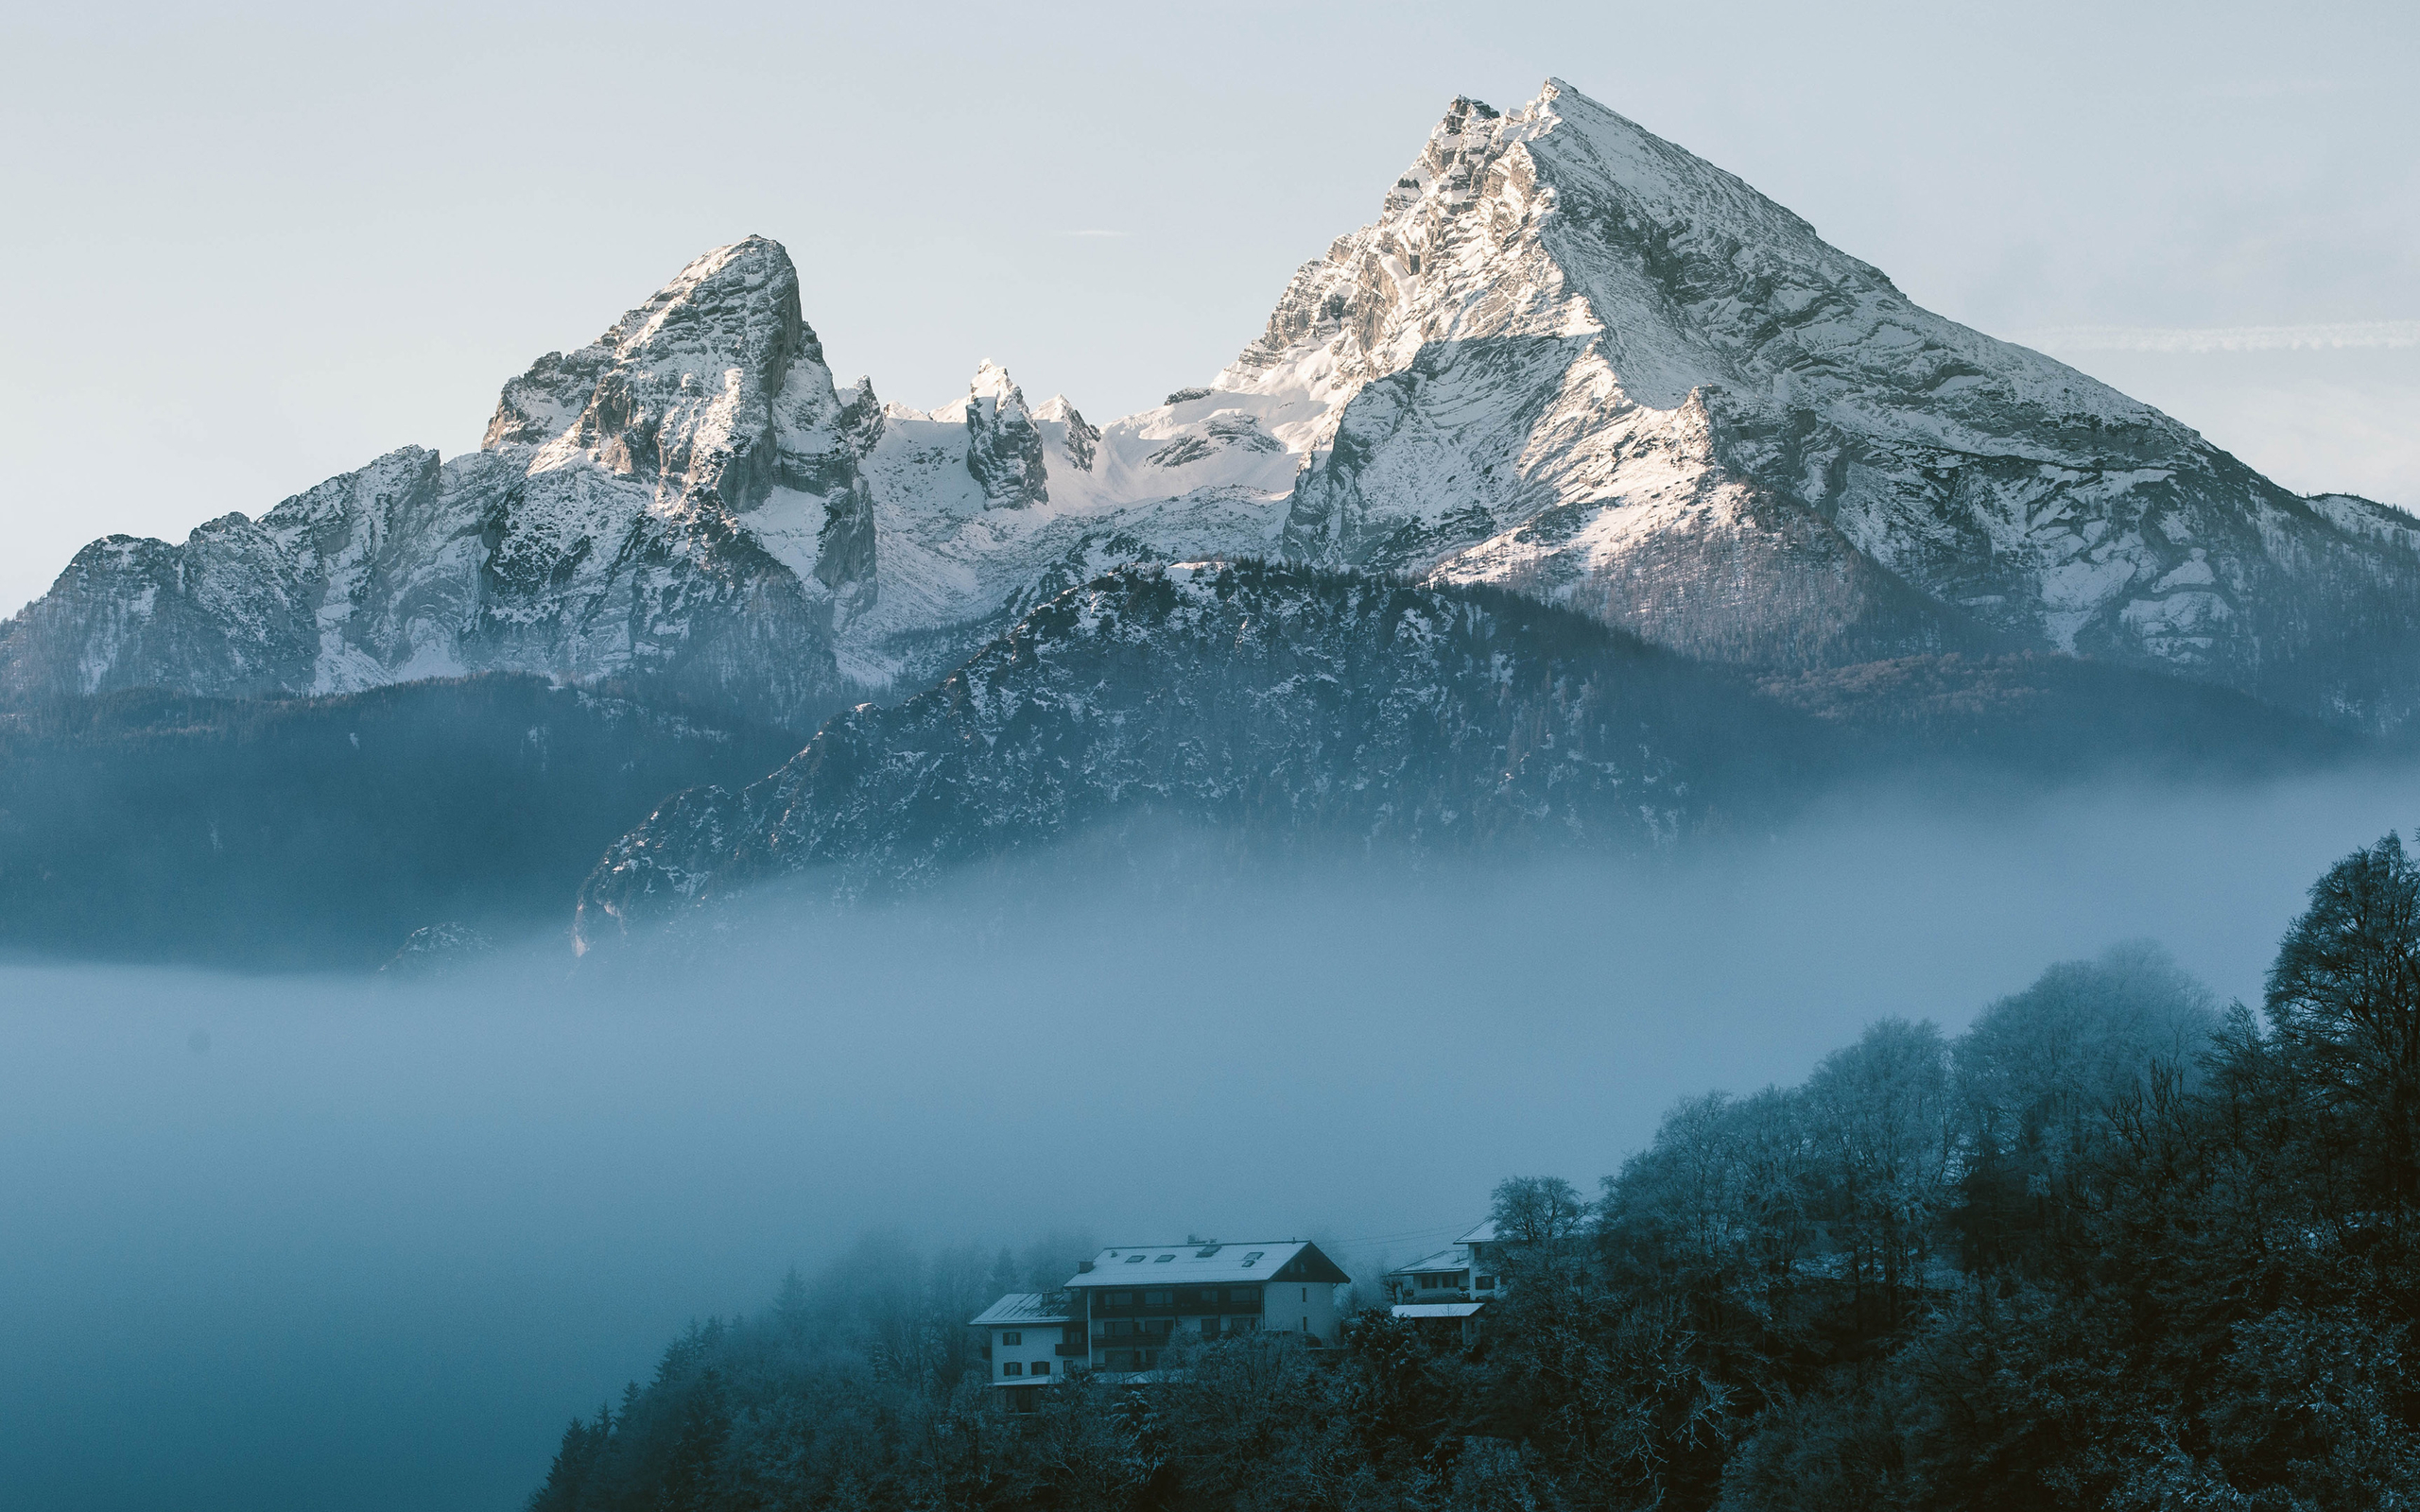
[1463, 1271]
[1030, 1340]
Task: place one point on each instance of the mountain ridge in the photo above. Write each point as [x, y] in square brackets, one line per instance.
[1569, 358]
[1211, 710]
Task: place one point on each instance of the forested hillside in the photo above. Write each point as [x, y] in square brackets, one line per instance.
[2112, 1246]
[324, 831]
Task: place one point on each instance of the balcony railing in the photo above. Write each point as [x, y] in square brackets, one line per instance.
[1189, 1305]
[1152, 1339]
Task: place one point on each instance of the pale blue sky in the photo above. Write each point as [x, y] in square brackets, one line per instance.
[260, 247]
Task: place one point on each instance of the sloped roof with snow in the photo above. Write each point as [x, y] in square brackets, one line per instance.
[1451, 1258]
[1209, 1264]
[1024, 1307]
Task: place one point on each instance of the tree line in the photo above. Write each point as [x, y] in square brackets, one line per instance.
[2112, 1246]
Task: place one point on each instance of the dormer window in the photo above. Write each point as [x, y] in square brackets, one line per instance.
[1135, 1259]
[1255, 1257]
[1163, 1260]
[1206, 1251]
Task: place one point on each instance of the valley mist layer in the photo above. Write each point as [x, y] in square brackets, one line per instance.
[313, 1232]
[1568, 358]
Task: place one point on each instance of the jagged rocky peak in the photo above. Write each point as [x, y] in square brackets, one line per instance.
[735, 306]
[1083, 441]
[1003, 445]
[677, 503]
[714, 385]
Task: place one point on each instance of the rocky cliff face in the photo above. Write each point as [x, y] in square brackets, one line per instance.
[1004, 452]
[1279, 705]
[1569, 358]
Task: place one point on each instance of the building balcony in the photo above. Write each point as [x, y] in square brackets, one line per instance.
[1187, 1305]
[1071, 1351]
[1146, 1339]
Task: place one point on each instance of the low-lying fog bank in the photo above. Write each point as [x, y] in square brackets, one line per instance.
[317, 1242]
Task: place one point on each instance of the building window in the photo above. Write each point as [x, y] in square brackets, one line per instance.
[1242, 1296]
[1253, 1256]
[1121, 1298]
[1134, 1260]
[1159, 1299]
[1012, 1337]
[1209, 1328]
[1041, 1368]
[1011, 1367]
[1487, 1283]
[1163, 1260]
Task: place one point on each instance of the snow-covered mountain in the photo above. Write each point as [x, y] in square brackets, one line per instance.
[679, 503]
[1569, 358]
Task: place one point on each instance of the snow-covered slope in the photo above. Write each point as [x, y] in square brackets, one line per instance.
[1572, 358]
[1569, 358]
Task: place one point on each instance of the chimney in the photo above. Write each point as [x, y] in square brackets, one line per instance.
[1083, 1265]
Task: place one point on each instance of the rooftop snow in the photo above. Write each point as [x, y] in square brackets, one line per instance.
[1195, 1264]
[1024, 1307]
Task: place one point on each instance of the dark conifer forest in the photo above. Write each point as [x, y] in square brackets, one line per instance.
[2116, 1246]
[321, 832]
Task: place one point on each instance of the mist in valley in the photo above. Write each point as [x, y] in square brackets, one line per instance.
[338, 1242]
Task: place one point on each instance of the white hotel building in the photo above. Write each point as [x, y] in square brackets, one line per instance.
[1128, 1303]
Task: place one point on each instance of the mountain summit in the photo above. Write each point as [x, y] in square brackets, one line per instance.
[1572, 358]
[677, 502]
[1569, 358]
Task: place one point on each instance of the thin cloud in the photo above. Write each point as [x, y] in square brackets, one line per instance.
[2355, 334]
